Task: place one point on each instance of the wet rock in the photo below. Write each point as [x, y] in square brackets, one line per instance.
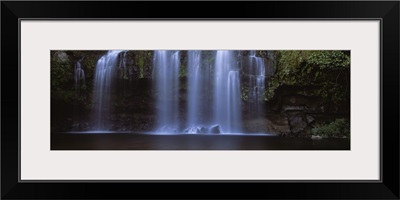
[191, 130]
[62, 56]
[196, 129]
[284, 133]
[316, 137]
[202, 129]
[258, 125]
[310, 119]
[272, 124]
[297, 124]
[293, 108]
[215, 129]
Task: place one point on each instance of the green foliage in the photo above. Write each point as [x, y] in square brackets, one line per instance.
[142, 64]
[61, 70]
[183, 70]
[338, 128]
[327, 70]
[269, 93]
[208, 58]
[245, 93]
[62, 76]
[328, 59]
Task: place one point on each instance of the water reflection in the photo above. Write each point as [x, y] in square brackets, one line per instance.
[154, 141]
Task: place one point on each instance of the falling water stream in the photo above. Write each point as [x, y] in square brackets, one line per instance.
[166, 77]
[79, 76]
[105, 75]
[226, 101]
[256, 70]
[225, 115]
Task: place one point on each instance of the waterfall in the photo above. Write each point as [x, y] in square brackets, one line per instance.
[79, 76]
[214, 103]
[221, 80]
[166, 76]
[195, 91]
[79, 80]
[194, 83]
[226, 99]
[198, 94]
[256, 74]
[105, 75]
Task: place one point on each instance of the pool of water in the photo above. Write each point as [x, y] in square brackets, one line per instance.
[108, 140]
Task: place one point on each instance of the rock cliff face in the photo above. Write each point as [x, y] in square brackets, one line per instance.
[295, 110]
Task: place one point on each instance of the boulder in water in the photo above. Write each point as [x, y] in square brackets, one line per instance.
[215, 129]
[198, 129]
[316, 137]
[191, 130]
[202, 129]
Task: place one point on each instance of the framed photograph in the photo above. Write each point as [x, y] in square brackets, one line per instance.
[226, 96]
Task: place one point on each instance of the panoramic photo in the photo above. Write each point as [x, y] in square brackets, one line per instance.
[200, 100]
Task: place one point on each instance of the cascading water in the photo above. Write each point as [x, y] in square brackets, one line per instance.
[194, 84]
[79, 80]
[166, 76]
[221, 80]
[104, 77]
[226, 99]
[256, 74]
[198, 94]
[214, 99]
[79, 76]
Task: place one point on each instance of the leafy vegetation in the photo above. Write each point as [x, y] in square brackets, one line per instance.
[337, 128]
[63, 87]
[327, 70]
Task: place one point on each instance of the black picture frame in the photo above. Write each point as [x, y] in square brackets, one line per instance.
[386, 11]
